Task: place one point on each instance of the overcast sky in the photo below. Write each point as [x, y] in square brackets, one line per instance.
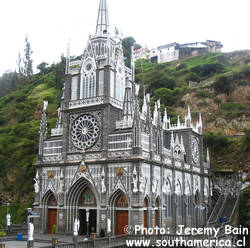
[50, 23]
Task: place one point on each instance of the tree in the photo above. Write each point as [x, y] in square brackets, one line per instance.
[127, 44]
[19, 64]
[28, 70]
[43, 68]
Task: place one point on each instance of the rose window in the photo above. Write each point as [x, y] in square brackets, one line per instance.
[85, 131]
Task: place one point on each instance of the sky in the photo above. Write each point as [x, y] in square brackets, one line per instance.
[50, 24]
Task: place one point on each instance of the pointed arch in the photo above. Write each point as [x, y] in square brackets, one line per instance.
[47, 196]
[115, 195]
[157, 202]
[147, 201]
[49, 211]
[73, 197]
[119, 214]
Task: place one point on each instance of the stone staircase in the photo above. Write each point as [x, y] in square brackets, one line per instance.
[225, 209]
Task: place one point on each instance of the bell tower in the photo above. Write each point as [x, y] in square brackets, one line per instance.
[96, 84]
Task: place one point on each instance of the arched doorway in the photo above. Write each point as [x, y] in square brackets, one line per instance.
[157, 217]
[121, 213]
[83, 202]
[52, 212]
[87, 212]
[145, 212]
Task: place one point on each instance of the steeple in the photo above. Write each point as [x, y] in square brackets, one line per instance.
[102, 24]
[127, 105]
[189, 118]
[67, 59]
[132, 64]
[43, 128]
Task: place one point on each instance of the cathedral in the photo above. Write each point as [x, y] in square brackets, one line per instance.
[111, 163]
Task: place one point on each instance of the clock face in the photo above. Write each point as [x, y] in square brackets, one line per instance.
[85, 131]
[195, 150]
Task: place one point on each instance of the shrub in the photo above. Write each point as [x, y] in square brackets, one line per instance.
[206, 70]
[217, 142]
[223, 85]
[3, 234]
[217, 100]
[54, 228]
[193, 77]
[202, 93]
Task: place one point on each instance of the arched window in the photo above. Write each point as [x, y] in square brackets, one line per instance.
[121, 201]
[52, 202]
[88, 86]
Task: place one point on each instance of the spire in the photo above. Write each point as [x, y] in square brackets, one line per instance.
[43, 128]
[144, 107]
[148, 107]
[165, 120]
[67, 58]
[132, 64]
[102, 24]
[159, 121]
[127, 104]
[155, 115]
[178, 121]
[208, 156]
[200, 124]
[189, 118]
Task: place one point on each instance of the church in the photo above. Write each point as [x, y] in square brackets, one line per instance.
[108, 160]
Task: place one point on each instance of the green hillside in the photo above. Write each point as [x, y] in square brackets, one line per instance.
[224, 103]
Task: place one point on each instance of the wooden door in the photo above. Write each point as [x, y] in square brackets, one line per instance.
[52, 219]
[156, 218]
[121, 222]
[145, 218]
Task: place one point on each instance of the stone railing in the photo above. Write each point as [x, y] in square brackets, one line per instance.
[86, 102]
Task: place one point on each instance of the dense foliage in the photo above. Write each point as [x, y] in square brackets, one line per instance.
[228, 152]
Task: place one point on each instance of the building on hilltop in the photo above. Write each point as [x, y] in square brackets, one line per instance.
[108, 161]
[176, 51]
[141, 53]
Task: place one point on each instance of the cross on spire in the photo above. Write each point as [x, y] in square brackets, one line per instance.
[102, 25]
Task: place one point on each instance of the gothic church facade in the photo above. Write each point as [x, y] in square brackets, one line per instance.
[107, 160]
